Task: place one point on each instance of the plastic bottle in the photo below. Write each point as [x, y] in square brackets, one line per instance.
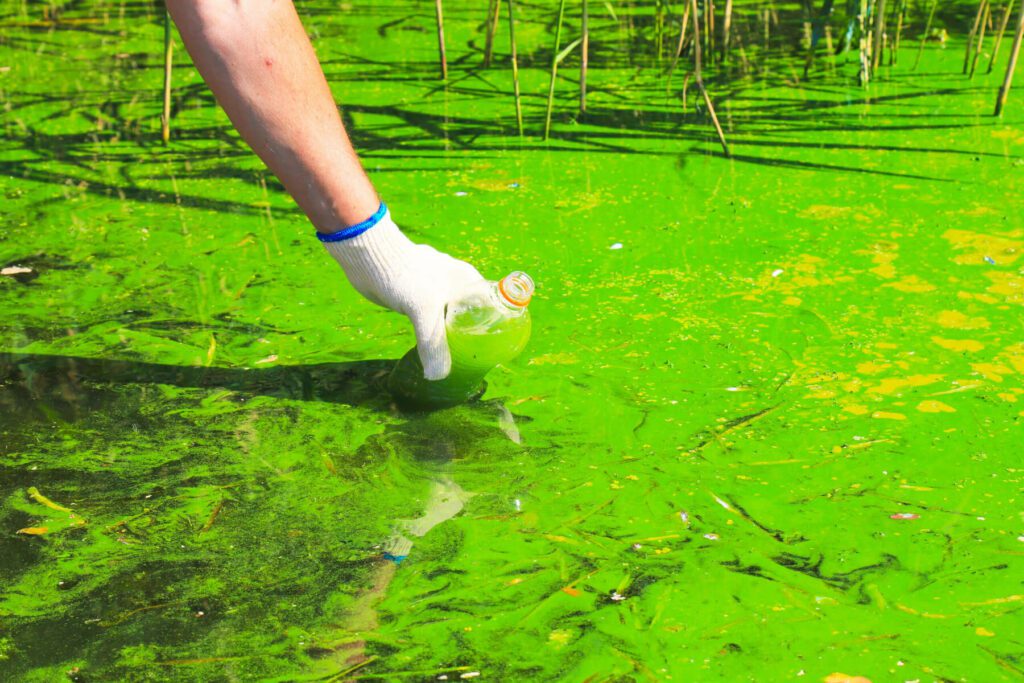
[487, 325]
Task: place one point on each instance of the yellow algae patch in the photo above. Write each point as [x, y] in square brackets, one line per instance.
[891, 385]
[845, 678]
[792, 301]
[978, 210]
[554, 359]
[856, 409]
[983, 298]
[982, 631]
[991, 371]
[1014, 355]
[994, 601]
[560, 637]
[976, 246]
[884, 268]
[805, 263]
[935, 407]
[1009, 285]
[824, 212]
[821, 394]
[911, 284]
[1008, 134]
[959, 321]
[1008, 397]
[882, 255]
[882, 415]
[965, 345]
[872, 367]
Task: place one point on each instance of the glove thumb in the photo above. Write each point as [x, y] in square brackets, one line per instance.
[432, 343]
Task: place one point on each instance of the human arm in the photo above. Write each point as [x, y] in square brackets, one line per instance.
[259, 63]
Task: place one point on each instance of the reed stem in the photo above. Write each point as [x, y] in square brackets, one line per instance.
[878, 32]
[165, 118]
[981, 38]
[901, 10]
[585, 29]
[927, 30]
[1004, 89]
[711, 30]
[864, 73]
[493, 12]
[726, 29]
[973, 34]
[999, 36]
[554, 68]
[440, 40]
[659, 28]
[682, 39]
[700, 81]
[515, 64]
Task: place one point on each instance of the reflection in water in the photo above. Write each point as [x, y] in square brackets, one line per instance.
[189, 502]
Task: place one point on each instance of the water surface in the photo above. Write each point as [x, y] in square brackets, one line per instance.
[767, 428]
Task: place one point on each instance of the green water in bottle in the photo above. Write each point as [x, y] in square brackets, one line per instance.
[487, 325]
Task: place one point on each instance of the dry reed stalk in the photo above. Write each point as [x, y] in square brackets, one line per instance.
[981, 38]
[999, 36]
[974, 32]
[700, 81]
[1004, 89]
[493, 12]
[440, 40]
[515, 64]
[726, 28]
[877, 34]
[659, 28]
[682, 39]
[864, 72]
[741, 50]
[767, 30]
[927, 30]
[554, 68]
[165, 118]
[711, 30]
[901, 10]
[830, 47]
[585, 29]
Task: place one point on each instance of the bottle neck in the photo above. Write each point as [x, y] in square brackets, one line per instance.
[502, 303]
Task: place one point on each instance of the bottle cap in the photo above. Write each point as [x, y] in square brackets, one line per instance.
[516, 288]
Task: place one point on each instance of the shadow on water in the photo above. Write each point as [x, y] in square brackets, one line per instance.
[34, 386]
[62, 380]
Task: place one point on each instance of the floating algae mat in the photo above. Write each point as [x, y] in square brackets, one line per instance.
[768, 425]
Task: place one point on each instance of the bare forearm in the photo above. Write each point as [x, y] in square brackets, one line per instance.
[257, 60]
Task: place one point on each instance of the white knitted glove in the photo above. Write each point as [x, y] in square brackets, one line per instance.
[414, 279]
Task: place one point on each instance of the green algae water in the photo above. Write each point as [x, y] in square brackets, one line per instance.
[767, 427]
[484, 328]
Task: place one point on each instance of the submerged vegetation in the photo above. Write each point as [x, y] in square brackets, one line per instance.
[766, 427]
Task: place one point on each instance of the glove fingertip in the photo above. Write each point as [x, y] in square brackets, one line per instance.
[432, 345]
[437, 362]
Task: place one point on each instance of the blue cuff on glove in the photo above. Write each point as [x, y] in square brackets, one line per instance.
[355, 230]
[397, 559]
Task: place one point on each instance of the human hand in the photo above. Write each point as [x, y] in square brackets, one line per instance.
[416, 280]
